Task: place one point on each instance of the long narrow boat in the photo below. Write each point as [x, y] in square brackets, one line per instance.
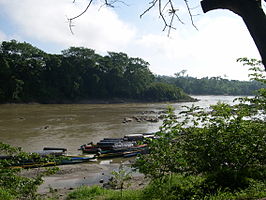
[75, 159]
[34, 165]
[134, 153]
[125, 154]
[118, 147]
[54, 149]
[106, 145]
[61, 160]
[133, 148]
[48, 157]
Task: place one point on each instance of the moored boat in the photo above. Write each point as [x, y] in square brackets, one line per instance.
[118, 147]
[75, 159]
[125, 154]
[47, 157]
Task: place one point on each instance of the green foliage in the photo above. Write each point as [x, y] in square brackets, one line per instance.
[164, 154]
[165, 92]
[180, 187]
[98, 193]
[224, 145]
[28, 74]
[119, 179]
[5, 194]
[256, 190]
[175, 186]
[86, 192]
[213, 85]
[12, 183]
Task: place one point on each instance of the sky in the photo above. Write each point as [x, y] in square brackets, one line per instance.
[210, 50]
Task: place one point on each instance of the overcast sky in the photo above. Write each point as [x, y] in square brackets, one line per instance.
[212, 50]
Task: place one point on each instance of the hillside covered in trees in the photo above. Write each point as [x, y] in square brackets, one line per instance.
[210, 85]
[28, 74]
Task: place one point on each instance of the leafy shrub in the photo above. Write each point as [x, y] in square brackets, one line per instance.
[224, 145]
[158, 91]
[119, 179]
[99, 193]
[175, 186]
[14, 185]
[86, 192]
[256, 190]
[5, 194]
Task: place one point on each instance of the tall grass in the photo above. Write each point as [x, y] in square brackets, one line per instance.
[98, 193]
[176, 187]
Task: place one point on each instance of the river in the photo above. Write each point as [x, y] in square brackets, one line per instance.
[34, 126]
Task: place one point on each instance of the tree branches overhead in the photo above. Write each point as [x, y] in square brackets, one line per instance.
[167, 10]
[73, 18]
[108, 3]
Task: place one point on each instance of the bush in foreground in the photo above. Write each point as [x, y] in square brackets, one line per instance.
[12, 184]
[173, 188]
[99, 193]
[215, 154]
[224, 145]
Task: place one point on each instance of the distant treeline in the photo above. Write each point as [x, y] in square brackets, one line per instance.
[211, 85]
[28, 74]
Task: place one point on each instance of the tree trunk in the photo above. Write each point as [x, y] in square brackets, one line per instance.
[252, 14]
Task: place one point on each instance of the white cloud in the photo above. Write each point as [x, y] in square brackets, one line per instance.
[211, 51]
[46, 20]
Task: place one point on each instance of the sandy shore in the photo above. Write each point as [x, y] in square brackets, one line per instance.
[70, 177]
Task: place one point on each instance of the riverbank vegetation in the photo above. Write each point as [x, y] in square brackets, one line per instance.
[214, 154]
[78, 74]
[210, 85]
[28, 74]
[219, 153]
[13, 185]
[179, 188]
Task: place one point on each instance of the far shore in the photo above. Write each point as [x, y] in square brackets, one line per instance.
[105, 101]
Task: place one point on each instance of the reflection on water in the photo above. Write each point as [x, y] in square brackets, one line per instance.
[33, 126]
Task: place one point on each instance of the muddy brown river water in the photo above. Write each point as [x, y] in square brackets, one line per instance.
[33, 126]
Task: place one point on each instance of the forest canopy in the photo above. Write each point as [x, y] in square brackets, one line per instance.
[78, 74]
[29, 74]
[211, 85]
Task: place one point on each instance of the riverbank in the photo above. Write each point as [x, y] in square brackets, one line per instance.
[123, 100]
[70, 177]
[104, 101]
